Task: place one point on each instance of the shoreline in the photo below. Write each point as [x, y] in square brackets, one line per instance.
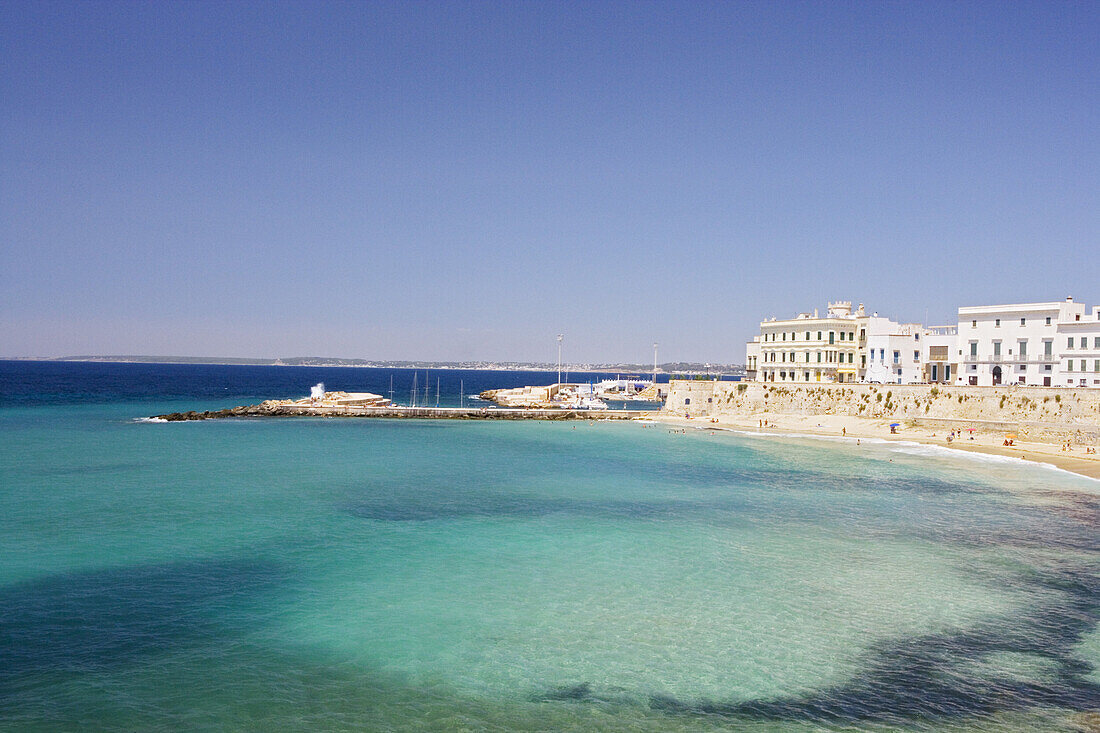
[843, 426]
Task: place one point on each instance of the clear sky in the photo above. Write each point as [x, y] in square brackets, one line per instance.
[457, 180]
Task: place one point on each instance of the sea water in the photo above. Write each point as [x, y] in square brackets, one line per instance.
[319, 574]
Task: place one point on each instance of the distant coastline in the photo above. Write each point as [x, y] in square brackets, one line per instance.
[317, 361]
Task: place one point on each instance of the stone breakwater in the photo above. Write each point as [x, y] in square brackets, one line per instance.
[1044, 414]
[282, 408]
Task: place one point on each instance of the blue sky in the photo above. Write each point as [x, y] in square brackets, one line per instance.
[465, 180]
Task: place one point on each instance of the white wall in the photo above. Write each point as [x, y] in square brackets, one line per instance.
[982, 328]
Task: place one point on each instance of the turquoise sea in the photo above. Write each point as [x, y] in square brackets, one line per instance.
[339, 574]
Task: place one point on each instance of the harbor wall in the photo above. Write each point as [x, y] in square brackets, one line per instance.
[277, 408]
[1048, 414]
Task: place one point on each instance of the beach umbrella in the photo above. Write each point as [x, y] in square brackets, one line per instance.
[1010, 436]
[895, 425]
[971, 430]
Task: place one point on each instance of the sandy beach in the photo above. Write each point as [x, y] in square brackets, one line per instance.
[1074, 460]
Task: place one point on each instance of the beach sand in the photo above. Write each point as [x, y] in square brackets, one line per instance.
[1074, 460]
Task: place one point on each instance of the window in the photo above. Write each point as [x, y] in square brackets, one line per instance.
[863, 331]
[1096, 342]
[819, 335]
[973, 324]
[1069, 343]
[832, 338]
[916, 356]
[916, 337]
[819, 357]
[997, 323]
[807, 335]
[850, 358]
[784, 335]
[1048, 320]
[1048, 347]
[1023, 321]
[1096, 365]
[996, 348]
[897, 357]
[1022, 344]
[973, 348]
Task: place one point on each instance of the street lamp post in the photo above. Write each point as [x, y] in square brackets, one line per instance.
[654, 365]
[560, 337]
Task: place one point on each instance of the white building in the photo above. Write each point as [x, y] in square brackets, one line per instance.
[1037, 344]
[1046, 344]
[752, 355]
[940, 354]
[894, 352]
[809, 347]
[1079, 345]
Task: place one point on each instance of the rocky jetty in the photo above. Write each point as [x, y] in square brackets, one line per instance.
[271, 408]
[288, 408]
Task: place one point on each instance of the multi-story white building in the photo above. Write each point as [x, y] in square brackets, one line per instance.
[940, 354]
[894, 353]
[752, 356]
[809, 347]
[1078, 341]
[1037, 344]
[1046, 344]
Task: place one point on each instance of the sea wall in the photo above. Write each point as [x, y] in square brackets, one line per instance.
[286, 408]
[1039, 413]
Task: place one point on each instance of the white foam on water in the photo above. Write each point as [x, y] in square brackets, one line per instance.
[149, 419]
[911, 447]
[925, 450]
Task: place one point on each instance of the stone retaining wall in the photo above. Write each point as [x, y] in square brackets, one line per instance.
[1039, 413]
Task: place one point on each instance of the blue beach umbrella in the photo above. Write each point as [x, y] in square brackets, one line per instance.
[895, 425]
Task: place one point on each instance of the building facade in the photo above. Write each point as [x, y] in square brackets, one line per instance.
[940, 355]
[894, 353]
[1055, 344]
[811, 348]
